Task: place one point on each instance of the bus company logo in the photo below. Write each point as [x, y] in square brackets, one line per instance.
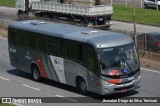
[56, 61]
[6, 100]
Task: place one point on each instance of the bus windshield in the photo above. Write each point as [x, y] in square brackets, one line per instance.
[119, 61]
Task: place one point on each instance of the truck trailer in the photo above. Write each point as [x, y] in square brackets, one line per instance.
[91, 13]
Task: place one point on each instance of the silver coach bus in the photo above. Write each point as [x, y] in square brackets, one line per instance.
[91, 60]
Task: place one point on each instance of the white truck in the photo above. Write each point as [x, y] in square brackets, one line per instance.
[88, 12]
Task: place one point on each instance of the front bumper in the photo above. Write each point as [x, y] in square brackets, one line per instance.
[117, 88]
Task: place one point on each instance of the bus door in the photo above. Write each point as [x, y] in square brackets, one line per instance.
[12, 38]
[92, 74]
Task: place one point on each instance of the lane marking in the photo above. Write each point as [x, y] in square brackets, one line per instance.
[150, 70]
[66, 98]
[3, 38]
[71, 99]
[56, 92]
[5, 78]
[31, 87]
[17, 104]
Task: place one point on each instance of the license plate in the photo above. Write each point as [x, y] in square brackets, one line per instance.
[124, 90]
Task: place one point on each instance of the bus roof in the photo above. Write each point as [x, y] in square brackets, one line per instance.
[97, 38]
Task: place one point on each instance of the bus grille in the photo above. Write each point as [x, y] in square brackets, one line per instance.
[122, 88]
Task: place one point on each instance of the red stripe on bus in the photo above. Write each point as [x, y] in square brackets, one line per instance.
[43, 73]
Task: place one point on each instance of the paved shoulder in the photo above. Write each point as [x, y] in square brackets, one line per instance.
[129, 27]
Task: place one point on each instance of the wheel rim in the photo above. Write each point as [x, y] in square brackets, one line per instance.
[83, 86]
[35, 74]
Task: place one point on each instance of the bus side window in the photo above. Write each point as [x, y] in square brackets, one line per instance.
[74, 50]
[42, 46]
[53, 46]
[12, 36]
[62, 48]
[32, 40]
[91, 59]
[21, 38]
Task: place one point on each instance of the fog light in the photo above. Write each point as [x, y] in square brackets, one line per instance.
[138, 77]
[139, 84]
[106, 89]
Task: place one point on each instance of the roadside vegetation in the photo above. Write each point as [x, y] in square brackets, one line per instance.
[143, 16]
[9, 3]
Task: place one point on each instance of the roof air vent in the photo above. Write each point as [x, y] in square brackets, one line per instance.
[89, 32]
[37, 22]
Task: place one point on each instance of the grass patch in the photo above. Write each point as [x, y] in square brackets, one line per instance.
[9, 3]
[143, 16]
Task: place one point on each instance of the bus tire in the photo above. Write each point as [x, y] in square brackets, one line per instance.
[36, 74]
[82, 86]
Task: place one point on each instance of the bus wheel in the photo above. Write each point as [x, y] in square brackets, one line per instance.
[82, 86]
[36, 74]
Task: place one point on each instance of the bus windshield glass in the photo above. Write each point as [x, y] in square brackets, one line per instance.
[119, 61]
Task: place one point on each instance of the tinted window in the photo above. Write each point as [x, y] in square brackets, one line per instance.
[31, 40]
[91, 59]
[152, 0]
[21, 38]
[62, 48]
[157, 37]
[12, 35]
[53, 45]
[74, 50]
[42, 43]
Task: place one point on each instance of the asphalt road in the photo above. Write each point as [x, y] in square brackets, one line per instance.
[140, 28]
[15, 83]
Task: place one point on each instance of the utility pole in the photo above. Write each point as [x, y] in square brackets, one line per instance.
[126, 3]
[134, 21]
[111, 2]
[156, 4]
[142, 4]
